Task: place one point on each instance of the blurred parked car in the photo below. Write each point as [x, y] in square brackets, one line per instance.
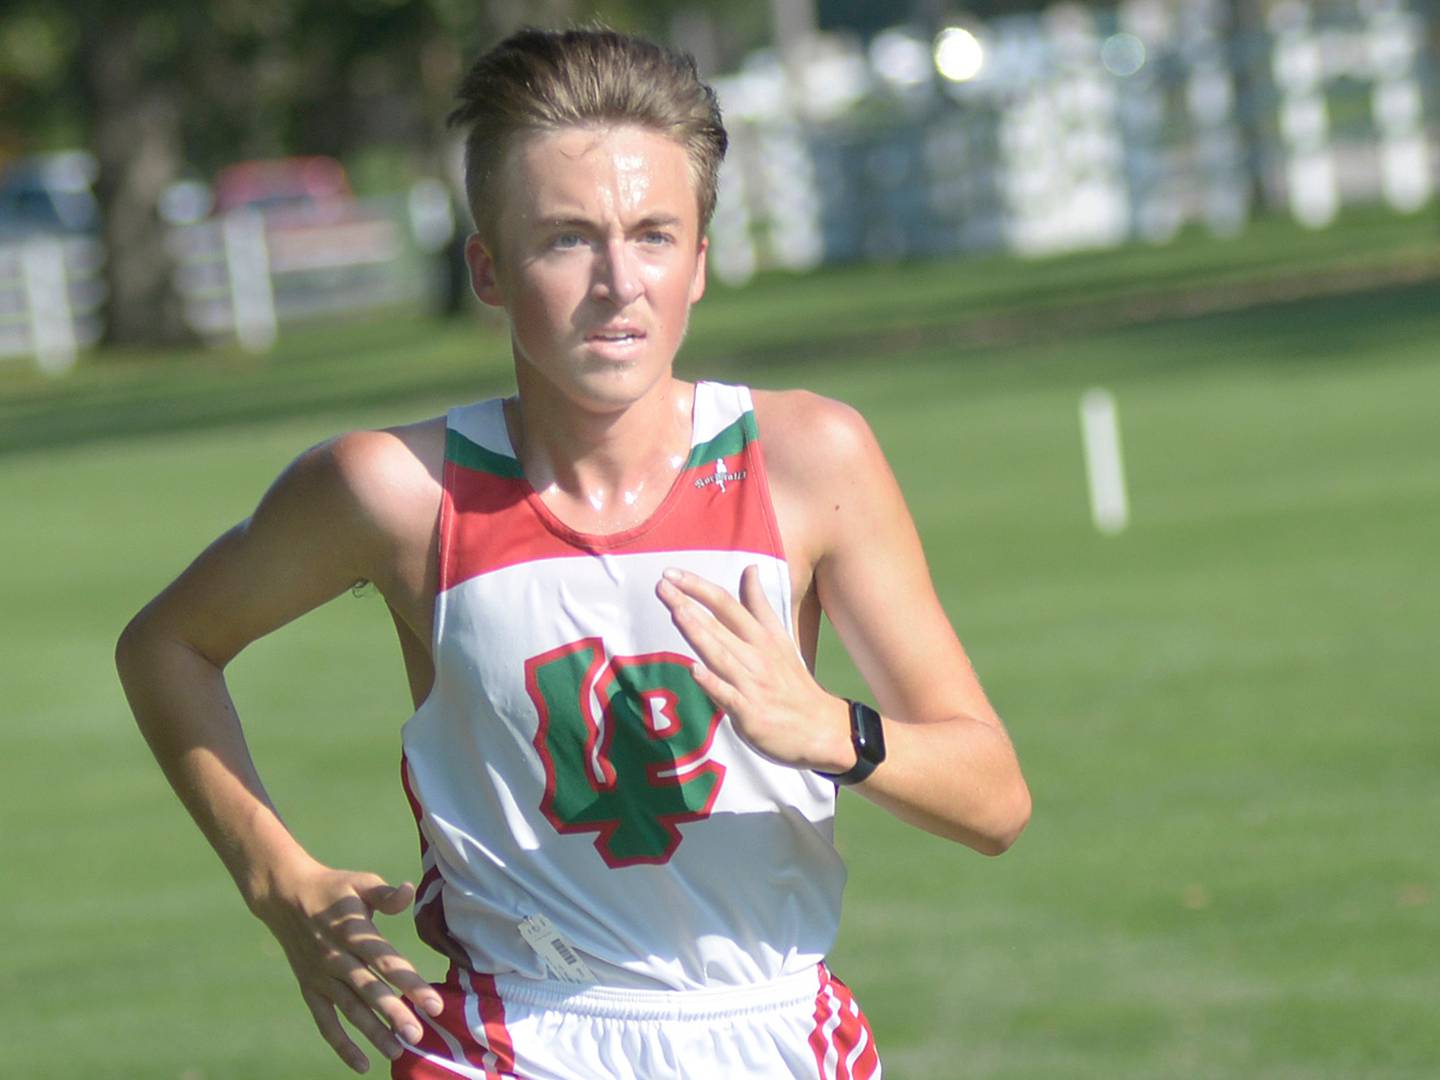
[294, 190]
[49, 194]
[312, 218]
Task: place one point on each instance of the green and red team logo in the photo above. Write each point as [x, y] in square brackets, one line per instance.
[637, 770]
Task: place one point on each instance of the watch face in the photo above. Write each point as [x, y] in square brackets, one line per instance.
[867, 732]
[867, 736]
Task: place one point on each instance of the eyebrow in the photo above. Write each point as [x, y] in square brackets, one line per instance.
[649, 222]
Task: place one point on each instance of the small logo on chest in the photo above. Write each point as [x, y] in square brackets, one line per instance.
[722, 476]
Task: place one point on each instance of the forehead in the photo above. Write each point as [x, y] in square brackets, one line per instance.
[621, 168]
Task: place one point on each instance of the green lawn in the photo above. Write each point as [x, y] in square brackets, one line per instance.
[1227, 714]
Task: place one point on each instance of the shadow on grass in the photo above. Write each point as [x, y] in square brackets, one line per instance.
[316, 371]
[1275, 335]
[1140, 313]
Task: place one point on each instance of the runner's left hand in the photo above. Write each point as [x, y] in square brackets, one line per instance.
[751, 669]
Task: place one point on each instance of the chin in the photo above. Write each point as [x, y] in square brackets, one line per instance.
[594, 383]
[610, 386]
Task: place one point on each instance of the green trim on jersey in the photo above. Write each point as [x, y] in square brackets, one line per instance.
[471, 455]
[726, 444]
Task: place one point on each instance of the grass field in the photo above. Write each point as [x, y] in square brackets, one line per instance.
[1228, 714]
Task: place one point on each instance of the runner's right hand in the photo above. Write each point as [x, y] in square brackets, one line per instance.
[322, 918]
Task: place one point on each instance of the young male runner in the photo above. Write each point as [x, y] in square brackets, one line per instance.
[607, 591]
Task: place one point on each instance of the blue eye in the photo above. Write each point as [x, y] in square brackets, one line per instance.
[567, 240]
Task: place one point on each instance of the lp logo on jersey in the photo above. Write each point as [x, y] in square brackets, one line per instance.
[625, 742]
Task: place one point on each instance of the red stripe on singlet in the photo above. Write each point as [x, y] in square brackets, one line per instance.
[430, 922]
[413, 801]
[490, 522]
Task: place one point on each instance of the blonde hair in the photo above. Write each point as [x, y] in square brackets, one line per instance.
[539, 81]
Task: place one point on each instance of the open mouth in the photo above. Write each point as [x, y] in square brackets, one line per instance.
[616, 337]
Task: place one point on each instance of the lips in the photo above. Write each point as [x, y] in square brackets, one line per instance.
[616, 335]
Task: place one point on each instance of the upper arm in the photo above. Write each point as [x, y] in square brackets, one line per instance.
[327, 522]
[870, 572]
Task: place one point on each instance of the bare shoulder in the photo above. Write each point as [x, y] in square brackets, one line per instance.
[361, 506]
[829, 480]
[373, 496]
[386, 474]
[811, 439]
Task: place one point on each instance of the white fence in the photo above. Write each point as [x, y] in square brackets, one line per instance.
[51, 299]
[242, 276]
[1084, 127]
[246, 275]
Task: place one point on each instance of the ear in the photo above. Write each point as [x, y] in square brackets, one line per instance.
[697, 282]
[482, 272]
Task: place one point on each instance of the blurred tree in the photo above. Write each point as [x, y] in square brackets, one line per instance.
[133, 91]
[159, 91]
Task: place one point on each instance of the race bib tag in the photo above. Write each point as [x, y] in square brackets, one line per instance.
[560, 959]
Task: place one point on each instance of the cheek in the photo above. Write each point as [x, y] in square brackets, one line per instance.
[551, 296]
[670, 284]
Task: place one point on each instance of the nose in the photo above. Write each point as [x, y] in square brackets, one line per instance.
[617, 276]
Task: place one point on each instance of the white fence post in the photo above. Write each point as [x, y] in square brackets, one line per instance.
[1395, 40]
[252, 297]
[47, 296]
[1299, 68]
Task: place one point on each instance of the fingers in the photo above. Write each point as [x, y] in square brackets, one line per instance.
[372, 999]
[368, 1002]
[345, 967]
[718, 649]
[377, 965]
[383, 959]
[391, 899]
[726, 697]
[322, 1011]
[752, 595]
[730, 613]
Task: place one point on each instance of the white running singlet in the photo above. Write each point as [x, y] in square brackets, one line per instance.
[567, 770]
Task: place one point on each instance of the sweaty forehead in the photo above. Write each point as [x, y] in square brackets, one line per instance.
[586, 171]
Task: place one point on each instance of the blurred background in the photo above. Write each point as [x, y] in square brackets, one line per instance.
[1141, 298]
[239, 167]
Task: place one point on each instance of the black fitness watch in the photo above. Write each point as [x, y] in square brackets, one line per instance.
[867, 735]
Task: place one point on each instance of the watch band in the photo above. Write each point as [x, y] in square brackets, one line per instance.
[867, 735]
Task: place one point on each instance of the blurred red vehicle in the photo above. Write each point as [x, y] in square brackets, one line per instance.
[306, 189]
[311, 214]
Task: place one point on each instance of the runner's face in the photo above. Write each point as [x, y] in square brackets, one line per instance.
[597, 260]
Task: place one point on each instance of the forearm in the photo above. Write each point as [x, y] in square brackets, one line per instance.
[184, 710]
[956, 778]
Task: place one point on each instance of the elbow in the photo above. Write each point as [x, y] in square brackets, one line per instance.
[136, 648]
[129, 645]
[133, 655]
[1009, 823]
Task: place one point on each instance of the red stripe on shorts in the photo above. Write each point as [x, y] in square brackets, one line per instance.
[494, 1056]
[818, 1041]
[853, 1039]
[850, 1038]
[492, 1013]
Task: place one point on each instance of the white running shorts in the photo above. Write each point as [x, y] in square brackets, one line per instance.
[805, 1025]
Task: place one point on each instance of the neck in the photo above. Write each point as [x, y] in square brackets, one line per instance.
[606, 468]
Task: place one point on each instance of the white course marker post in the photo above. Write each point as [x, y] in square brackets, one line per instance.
[1104, 468]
